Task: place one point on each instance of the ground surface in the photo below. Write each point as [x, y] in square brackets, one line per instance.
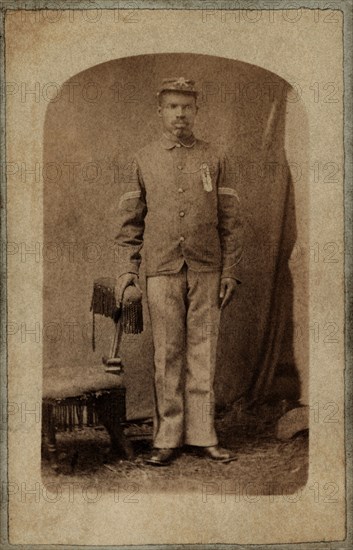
[265, 465]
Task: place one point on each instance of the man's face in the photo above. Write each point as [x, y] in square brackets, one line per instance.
[178, 112]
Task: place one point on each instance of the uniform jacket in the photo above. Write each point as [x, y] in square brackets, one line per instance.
[178, 205]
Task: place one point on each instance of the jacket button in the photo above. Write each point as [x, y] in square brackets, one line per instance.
[182, 239]
[181, 213]
[177, 145]
[180, 190]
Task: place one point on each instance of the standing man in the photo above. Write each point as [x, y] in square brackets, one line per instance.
[180, 207]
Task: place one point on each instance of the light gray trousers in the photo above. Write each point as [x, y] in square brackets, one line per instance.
[185, 316]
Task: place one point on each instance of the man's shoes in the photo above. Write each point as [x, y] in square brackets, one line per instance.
[217, 453]
[161, 457]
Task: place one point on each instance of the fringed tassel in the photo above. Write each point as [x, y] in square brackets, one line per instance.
[103, 299]
[90, 414]
[103, 303]
[79, 414]
[68, 416]
[132, 318]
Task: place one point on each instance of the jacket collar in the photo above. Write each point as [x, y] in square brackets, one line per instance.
[169, 142]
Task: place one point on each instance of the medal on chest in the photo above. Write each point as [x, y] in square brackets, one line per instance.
[206, 177]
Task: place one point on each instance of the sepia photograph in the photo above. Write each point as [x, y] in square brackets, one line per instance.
[177, 199]
[176, 241]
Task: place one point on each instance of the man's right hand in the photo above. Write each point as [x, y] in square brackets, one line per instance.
[123, 281]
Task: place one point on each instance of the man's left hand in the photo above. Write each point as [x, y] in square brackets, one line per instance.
[227, 290]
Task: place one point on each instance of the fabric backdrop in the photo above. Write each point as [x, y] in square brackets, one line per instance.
[93, 125]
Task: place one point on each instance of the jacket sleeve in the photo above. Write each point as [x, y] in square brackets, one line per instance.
[230, 225]
[131, 215]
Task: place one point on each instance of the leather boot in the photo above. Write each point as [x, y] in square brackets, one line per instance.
[161, 457]
[217, 453]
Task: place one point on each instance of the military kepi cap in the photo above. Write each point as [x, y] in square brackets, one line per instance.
[180, 84]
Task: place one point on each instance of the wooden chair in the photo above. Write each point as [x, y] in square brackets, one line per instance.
[90, 396]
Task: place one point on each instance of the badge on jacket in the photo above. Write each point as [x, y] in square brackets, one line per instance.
[206, 177]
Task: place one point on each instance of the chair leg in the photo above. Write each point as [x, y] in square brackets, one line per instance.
[108, 411]
[49, 434]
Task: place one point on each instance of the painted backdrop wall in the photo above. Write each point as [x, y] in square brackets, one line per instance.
[102, 116]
